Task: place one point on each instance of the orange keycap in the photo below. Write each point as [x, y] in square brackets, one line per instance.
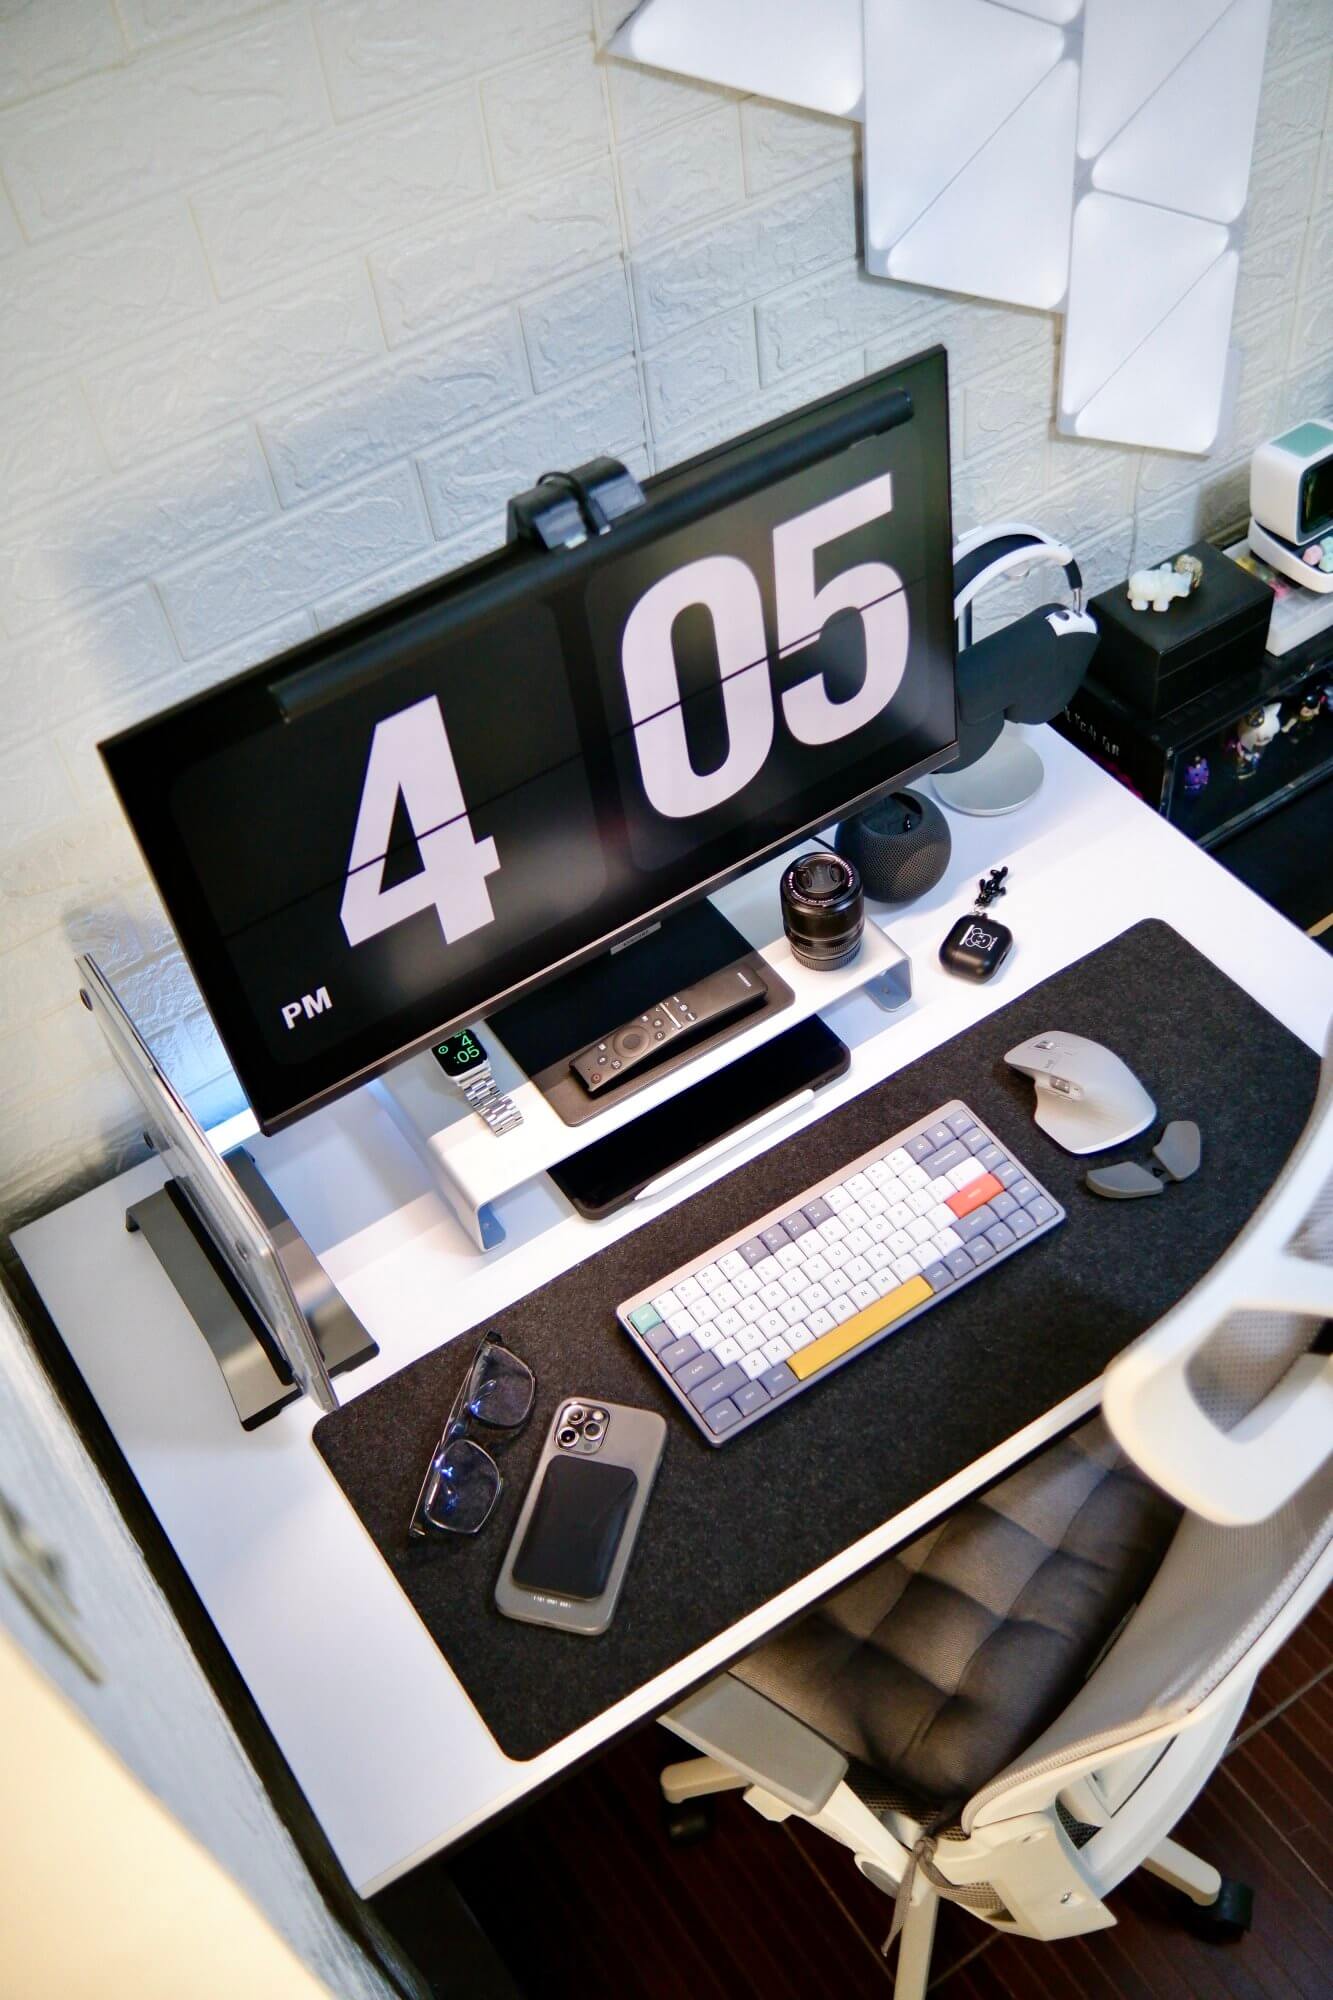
[974, 1194]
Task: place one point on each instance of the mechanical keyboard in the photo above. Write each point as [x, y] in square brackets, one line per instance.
[740, 1332]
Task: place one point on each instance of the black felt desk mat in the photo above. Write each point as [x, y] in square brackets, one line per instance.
[728, 1529]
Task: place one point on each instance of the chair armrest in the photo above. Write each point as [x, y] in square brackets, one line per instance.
[745, 1730]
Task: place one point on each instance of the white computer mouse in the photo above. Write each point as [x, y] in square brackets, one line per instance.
[1087, 1098]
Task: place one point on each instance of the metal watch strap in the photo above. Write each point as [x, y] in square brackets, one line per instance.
[482, 1094]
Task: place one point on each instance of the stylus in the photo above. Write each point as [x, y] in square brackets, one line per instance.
[679, 1018]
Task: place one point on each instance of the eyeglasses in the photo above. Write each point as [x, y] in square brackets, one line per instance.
[463, 1482]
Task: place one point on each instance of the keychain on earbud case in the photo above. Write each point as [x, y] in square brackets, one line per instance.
[978, 944]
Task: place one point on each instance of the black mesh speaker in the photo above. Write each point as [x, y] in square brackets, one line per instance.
[900, 845]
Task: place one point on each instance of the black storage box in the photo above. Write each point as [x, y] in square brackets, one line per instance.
[1159, 660]
[1227, 757]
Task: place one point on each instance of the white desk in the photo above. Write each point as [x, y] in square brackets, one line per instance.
[392, 1756]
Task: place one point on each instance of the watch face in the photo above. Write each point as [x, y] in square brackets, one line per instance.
[457, 1054]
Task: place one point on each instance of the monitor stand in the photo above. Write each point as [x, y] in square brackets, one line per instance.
[543, 1030]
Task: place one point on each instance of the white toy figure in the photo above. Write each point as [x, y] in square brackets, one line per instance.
[1158, 587]
[1254, 733]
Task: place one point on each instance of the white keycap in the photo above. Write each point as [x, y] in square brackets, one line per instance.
[958, 1177]
[817, 1267]
[728, 1321]
[794, 1282]
[900, 1243]
[709, 1337]
[732, 1265]
[879, 1174]
[879, 1257]
[704, 1310]
[836, 1257]
[726, 1295]
[941, 1187]
[799, 1336]
[837, 1199]
[687, 1290]
[893, 1190]
[921, 1231]
[772, 1326]
[921, 1201]
[793, 1312]
[873, 1202]
[886, 1281]
[905, 1268]
[854, 1215]
[669, 1303]
[776, 1350]
[750, 1310]
[816, 1295]
[710, 1277]
[820, 1321]
[682, 1322]
[857, 1185]
[746, 1283]
[878, 1228]
[858, 1241]
[843, 1309]
[864, 1295]
[768, 1270]
[790, 1255]
[772, 1296]
[751, 1338]
[947, 1240]
[900, 1158]
[899, 1214]
[833, 1230]
[914, 1177]
[940, 1217]
[859, 1270]
[755, 1364]
[728, 1351]
[837, 1284]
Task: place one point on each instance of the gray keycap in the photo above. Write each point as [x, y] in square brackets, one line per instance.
[1004, 1205]
[751, 1398]
[1001, 1237]
[990, 1157]
[1022, 1191]
[778, 1379]
[979, 1250]
[938, 1276]
[959, 1122]
[1021, 1223]
[917, 1149]
[723, 1383]
[775, 1238]
[722, 1416]
[948, 1156]
[1041, 1210]
[679, 1352]
[959, 1263]
[975, 1141]
[1007, 1174]
[797, 1225]
[816, 1211]
[658, 1337]
[938, 1135]
[754, 1252]
[695, 1373]
[976, 1224]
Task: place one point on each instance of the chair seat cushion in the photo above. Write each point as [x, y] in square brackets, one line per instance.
[941, 1664]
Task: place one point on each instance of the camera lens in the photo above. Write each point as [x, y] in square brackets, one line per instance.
[566, 1436]
[592, 1430]
[823, 910]
[575, 1414]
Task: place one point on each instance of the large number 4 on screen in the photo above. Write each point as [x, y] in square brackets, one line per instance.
[730, 591]
[410, 756]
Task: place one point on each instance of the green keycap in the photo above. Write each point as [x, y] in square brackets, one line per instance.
[644, 1318]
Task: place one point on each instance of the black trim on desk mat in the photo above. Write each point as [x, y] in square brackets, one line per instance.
[727, 1529]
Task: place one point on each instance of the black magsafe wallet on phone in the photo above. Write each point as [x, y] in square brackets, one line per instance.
[575, 1528]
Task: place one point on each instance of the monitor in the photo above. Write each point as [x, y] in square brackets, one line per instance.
[386, 832]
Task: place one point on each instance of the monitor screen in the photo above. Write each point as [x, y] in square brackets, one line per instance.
[387, 831]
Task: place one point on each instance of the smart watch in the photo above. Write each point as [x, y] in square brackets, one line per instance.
[468, 1068]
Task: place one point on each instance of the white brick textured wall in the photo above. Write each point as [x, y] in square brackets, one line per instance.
[294, 295]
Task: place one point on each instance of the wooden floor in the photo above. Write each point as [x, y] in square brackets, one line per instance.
[583, 1893]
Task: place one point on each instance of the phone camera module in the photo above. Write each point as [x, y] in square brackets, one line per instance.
[567, 1436]
[592, 1430]
[575, 1414]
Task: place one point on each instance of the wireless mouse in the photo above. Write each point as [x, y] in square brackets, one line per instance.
[1087, 1098]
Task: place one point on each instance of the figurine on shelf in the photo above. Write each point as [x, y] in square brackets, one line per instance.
[1319, 555]
[1309, 707]
[1197, 774]
[1254, 732]
[1160, 587]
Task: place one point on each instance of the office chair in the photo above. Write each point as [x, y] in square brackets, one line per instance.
[1014, 1712]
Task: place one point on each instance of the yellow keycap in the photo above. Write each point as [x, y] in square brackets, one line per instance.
[808, 1361]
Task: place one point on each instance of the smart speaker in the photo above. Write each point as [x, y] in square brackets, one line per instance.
[900, 846]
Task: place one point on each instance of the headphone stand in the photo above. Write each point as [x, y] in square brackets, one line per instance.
[1004, 779]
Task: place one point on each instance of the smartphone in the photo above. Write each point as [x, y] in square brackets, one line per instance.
[575, 1534]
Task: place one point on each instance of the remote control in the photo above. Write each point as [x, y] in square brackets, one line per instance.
[680, 1018]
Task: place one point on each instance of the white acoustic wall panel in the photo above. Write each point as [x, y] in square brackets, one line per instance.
[805, 52]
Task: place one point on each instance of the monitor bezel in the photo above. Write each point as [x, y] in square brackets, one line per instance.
[319, 669]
